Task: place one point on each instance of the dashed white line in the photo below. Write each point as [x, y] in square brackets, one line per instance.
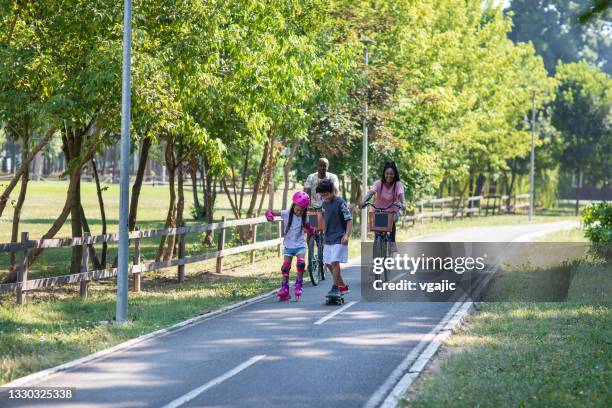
[334, 313]
[398, 276]
[216, 381]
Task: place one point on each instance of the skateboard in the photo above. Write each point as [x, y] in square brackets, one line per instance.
[334, 299]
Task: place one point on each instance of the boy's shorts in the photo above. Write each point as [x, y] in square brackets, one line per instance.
[335, 253]
[295, 251]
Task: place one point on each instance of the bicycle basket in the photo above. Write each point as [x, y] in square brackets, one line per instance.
[315, 219]
[381, 221]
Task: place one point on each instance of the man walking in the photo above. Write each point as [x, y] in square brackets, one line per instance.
[313, 180]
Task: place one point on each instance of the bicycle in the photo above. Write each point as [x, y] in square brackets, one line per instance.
[316, 269]
[381, 223]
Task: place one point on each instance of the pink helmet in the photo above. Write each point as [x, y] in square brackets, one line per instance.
[301, 198]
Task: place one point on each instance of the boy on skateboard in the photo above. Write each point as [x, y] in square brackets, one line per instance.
[338, 227]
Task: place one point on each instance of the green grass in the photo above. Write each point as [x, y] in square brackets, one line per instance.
[529, 354]
[571, 235]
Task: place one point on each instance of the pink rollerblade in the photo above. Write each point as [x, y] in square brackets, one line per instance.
[283, 293]
[297, 289]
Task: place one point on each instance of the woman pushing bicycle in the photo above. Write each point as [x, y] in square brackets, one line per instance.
[389, 190]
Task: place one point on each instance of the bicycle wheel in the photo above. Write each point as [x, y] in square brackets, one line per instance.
[321, 269]
[379, 252]
[385, 251]
[313, 262]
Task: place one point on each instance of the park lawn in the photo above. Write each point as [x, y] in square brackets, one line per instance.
[528, 354]
[571, 235]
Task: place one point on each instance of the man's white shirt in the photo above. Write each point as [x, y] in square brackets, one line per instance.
[313, 181]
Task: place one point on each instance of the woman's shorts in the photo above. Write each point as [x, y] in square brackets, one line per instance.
[295, 251]
[335, 253]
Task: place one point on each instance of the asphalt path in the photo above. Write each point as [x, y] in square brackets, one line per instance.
[271, 354]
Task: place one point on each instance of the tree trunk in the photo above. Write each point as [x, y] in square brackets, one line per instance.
[229, 196]
[480, 184]
[115, 174]
[243, 180]
[270, 170]
[207, 179]
[13, 270]
[24, 167]
[511, 189]
[92, 251]
[193, 172]
[137, 187]
[171, 215]
[579, 174]
[72, 145]
[258, 177]
[355, 191]
[71, 195]
[102, 212]
[180, 207]
[286, 171]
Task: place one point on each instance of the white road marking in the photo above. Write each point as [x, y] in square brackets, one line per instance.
[398, 276]
[334, 313]
[216, 381]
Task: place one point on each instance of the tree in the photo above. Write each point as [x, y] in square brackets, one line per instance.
[596, 8]
[552, 26]
[582, 112]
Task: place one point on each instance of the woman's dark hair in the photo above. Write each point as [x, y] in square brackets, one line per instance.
[291, 218]
[325, 186]
[390, 165]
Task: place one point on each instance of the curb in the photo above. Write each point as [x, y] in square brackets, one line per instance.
[429, 348]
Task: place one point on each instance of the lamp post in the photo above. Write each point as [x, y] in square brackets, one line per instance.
[364, 161]
[124, 178]
[532, 163]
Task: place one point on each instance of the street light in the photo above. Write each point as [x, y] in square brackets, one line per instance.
[124, 179]
[364, 172]
[531, 167]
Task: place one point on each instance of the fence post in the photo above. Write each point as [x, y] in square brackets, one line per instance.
[280, 234]
[181, 256]
[254, 240]
[84, 266]
[136, 261]
[421, 211]
[433, 210]
[220, 246]
[22, 275]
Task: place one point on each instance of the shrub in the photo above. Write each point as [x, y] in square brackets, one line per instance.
[597, 220]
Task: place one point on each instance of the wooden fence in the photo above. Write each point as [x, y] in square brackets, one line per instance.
[26, 246]
[440, 208]
[470, 206]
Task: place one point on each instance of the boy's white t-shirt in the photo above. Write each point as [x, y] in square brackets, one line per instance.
[294, 238]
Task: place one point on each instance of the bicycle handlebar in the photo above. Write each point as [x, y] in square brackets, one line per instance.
[381, 208]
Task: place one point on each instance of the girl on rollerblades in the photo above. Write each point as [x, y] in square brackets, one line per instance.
[294, 243]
